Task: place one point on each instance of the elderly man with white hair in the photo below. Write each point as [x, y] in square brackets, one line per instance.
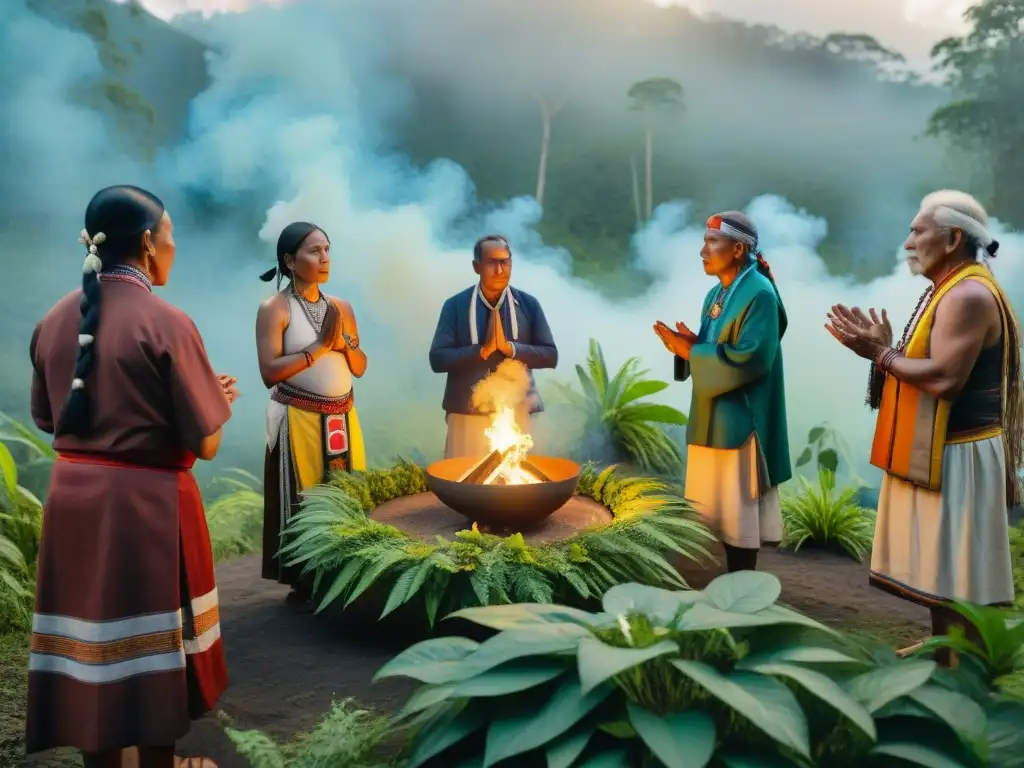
[950, 428]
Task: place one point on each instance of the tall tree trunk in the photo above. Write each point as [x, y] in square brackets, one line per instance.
[545, 142]
[548, 110]
[636, 192]
[648, 170]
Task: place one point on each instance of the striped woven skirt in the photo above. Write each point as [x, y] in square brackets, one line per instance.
[126, 647]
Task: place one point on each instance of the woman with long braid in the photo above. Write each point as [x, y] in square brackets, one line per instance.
[126, 646]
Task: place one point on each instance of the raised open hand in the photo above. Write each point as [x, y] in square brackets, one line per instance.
[877, 327]
[851, 333]
[683, 330]
[227, 383]
[674, 341]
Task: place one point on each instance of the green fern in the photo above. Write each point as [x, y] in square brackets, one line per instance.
[346, 738]
[611, 407]
[823, 518]
[235, 517]
[333, 536]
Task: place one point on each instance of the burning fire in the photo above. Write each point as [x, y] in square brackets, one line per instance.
[506, 438]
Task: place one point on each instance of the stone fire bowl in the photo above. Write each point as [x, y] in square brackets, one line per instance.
[504, 506]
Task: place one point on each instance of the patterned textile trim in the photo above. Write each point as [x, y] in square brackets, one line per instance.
[899, 589]
[973, 435]
[307, 401]
[99, 652]
[200, 623]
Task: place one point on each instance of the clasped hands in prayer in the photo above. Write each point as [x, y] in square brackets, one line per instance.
[678, 342]
[863, 334]
[495, 341]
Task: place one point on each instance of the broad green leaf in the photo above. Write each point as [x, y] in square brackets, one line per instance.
[8, 472]
[917, 754]
[804, 457]
[828, 460]
[815, 435]
[659, 605]
[13, 431]
[450, 728]
[651, 412]
[599, 662]
[511, 736]
[563, 751]
[878, 687]
[796, 654]
[423, 698]
[703, 616]
[744, 591]
[437, 661]
[641, 389]
[1005, 736]
[960, 713]
[765, 702]
[680, 740]
[825, 689]
[503, 617]
[517, 643]
[512, 678]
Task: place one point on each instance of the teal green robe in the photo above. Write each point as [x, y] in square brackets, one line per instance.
[736, 367]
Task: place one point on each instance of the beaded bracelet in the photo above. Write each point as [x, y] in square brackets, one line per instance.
[884, 359]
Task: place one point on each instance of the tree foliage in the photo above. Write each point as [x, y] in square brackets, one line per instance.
[985, 70]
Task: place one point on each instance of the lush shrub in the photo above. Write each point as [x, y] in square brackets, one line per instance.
[724, 677]
[334, 537]
[615, 417]
[235, 516]
[347, 738]
[826, 517]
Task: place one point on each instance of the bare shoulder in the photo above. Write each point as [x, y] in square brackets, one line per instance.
[969, 299]
[343, 306]
[274, 306]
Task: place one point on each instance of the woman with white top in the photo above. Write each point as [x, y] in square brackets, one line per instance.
[308, 347]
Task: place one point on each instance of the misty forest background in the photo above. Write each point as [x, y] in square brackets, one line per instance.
[605, 108]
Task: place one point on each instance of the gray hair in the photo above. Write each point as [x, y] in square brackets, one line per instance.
[952, 209]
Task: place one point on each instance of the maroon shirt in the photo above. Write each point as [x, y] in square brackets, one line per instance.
[152, 390]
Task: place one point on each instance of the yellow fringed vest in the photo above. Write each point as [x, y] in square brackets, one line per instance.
[910, 433]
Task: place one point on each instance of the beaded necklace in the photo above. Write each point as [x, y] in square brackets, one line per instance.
[876, 377]
[315, 311]
[125, 273]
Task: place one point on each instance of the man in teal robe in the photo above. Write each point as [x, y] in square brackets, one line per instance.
[737, 442]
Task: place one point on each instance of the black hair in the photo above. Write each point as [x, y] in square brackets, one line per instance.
[478, 247]
[121, 214]
[291, 239]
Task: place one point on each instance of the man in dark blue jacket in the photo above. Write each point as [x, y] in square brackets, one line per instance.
[480, 328]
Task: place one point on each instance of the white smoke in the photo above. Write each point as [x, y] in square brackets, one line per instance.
[308, 131]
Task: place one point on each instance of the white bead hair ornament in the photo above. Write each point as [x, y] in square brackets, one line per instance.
[92, 259]
[77, 384]
[84, 339]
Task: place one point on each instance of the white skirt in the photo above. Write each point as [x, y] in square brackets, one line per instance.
[730, 490]
[467, 433]
[932, 546]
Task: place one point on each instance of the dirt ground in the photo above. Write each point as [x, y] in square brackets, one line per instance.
[287, 667]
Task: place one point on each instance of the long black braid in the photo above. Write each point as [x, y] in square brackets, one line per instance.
[115, 221]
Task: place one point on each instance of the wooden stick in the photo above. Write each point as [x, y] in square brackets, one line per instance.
[479, 474]
[532, 469]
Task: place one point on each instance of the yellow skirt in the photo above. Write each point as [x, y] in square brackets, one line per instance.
[320, 444]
